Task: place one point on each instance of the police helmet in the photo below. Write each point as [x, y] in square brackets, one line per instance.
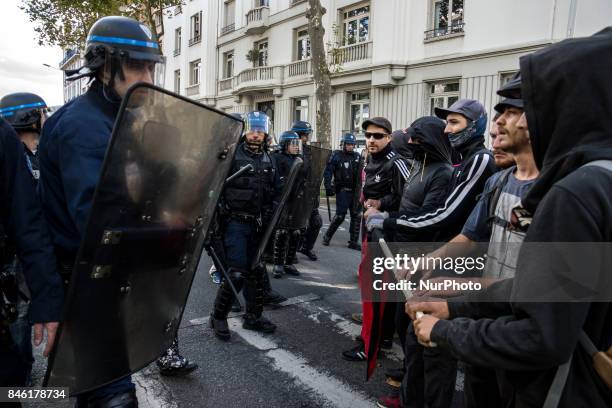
[257, 122]
[301, 127]
[23, 110]
[348, 138]
[122, 39]
[289, 138]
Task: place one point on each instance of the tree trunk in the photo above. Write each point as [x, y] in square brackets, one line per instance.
[320, 70]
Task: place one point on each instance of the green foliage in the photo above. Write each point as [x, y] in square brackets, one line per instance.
[66, 22]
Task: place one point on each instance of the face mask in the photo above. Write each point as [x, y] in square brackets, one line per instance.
[473, 129]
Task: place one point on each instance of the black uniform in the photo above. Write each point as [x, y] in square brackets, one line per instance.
[343, 167]
[247, 204]
[23, 228]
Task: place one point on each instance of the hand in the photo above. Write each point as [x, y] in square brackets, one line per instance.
[423, 327]
[51, 329]
[370, 212]
[372, 203]
[438, 309]
[376, 221]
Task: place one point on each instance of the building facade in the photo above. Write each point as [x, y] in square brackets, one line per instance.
[72, 60]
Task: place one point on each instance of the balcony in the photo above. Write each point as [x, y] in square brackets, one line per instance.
[67, 57]
[354, 52]
[196, 39]
[228, 29]
[294, 2]
[257, 20]
[298, 69]
[177, 52]
[226, 84]
[257, 78]
[192, 90]
[454, 30]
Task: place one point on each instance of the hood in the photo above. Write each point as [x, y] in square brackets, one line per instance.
[567, 93]
[429, 131]
[399, 141]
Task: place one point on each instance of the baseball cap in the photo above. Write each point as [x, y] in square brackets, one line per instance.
[470, 108]
[516, 103]
[378, 121]
[512, 88]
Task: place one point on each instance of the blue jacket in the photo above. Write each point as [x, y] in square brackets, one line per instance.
[72, 148]
[22, 220]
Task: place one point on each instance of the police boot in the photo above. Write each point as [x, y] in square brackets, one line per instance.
[223, 304]
[336, 222]
[254, 294]
[291, 270]
[294, 237]
[171, 363]
[277, 271]
[312, 232]
[354, 232]
[270, 296]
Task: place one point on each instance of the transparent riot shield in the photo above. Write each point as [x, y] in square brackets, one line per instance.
[160, 182]
[306, 190]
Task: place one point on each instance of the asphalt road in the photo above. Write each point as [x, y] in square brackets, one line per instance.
[300, 365]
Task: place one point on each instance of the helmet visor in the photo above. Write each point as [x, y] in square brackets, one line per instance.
[259, 123]
[293, 146]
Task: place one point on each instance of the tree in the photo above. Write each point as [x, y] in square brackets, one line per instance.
[320, 70]
[66, 22]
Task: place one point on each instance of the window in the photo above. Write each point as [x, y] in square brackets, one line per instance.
[359, 110]
[177, 41]
[303, 45]
[228, 64]
[505, 77]
[262, 3]
[178, 10]
[262, 47]
[229, 13]
[300, 111]
[442, 95]
[447, 16]
[194, 72]
[177, 81]
[195, 34]
[356, 25]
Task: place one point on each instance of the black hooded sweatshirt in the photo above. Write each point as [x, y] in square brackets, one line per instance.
[430, 177]
[568, 101]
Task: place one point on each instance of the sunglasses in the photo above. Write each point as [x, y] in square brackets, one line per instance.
[376, 136]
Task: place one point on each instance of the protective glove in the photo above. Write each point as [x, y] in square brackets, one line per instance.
[376, 220]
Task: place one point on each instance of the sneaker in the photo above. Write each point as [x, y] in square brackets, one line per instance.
[389, 401]
[386, 344]
[260, 324]
[355, 354]
[277, 271]
[357, 318]
[215, 275]
[220, 328]
[291, 270]
[354, 245]
[308, 252]
[272, 297]
[176, 366]
[326, 240]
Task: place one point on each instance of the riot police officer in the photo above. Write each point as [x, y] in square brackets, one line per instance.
[119, 52]
[26, 113]
[343, 167]
[310, 234]
[247, 204]
[286, 240]
[22, 231]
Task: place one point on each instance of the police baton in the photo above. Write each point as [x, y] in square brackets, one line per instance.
[328, 208]
[239, 172]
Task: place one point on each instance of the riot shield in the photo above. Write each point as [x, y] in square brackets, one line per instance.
[162, 176]
[306, 190]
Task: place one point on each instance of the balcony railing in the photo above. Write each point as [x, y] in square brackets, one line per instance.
[196, 39]
[455, 28]
[354, 52]
[177, 52]
[228, 29]
[192, 90]
[226, 84]
[256, 74]
[299, 68]
[257, 20]
[69, 54]
[294, 2]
